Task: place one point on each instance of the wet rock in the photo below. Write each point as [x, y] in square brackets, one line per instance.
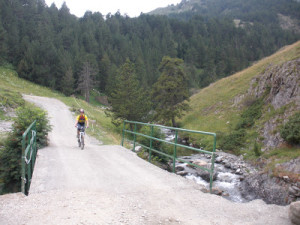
[182, 173]
[206, 175]
[239, 172]
[292, 191]
[200, 163]
[286, 178]
[272, 190]
[294, 212]
[179, 168]
[227, 165]
[216, 191]
[219, 159]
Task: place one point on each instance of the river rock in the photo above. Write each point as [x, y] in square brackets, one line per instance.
[294, 212]
[182, 173]
[219, 159]
[200, 163]
[261, 186]
[216, 191]
[206, 175]
[239, 172]
[179, 168]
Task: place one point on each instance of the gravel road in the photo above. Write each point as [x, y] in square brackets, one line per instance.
[111, 185]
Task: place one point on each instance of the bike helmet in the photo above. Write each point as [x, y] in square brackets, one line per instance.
[81, 110]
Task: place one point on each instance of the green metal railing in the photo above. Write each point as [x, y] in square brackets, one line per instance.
[29, 151]
[175, 143]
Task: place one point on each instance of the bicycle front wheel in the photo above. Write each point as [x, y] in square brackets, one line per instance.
[82, 142]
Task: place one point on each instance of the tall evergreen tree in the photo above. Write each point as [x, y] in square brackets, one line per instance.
[86, 80]
[68, 82]
[170, 93]
[128, 99]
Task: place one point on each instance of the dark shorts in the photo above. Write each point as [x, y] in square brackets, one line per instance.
[80, 126]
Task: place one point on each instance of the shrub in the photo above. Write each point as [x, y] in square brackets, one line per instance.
[257, 149]
[10, 155]
[290, 132]
[252, 113]
[232, 141]
[146, 141]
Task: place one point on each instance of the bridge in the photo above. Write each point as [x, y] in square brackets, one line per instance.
[111, 185]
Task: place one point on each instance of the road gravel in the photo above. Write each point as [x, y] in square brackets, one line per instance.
[111, 185]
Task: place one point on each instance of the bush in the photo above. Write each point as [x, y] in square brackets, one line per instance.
[146, 141]
[257, 149]
[252, 113]
[290, 132]
[10, 155]
[232, 141]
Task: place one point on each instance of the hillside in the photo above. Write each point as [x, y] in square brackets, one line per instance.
[219, 107]
[283, 13]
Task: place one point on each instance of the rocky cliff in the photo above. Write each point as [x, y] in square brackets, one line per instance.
[282, 85]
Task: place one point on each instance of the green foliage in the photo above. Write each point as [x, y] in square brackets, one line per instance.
[26, 115]
[129, 101]
[290, 132]
[146, 141]
[233, 141]
[10, 155]
[68, 82]
[257, 149]
[10, 99]
[251, 114]
[170, 92]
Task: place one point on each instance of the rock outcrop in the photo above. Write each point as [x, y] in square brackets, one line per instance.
[281, 85]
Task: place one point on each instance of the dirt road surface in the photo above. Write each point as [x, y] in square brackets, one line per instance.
[111, 185]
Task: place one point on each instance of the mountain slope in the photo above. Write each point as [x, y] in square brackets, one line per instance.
[218, 108]
[280, 12]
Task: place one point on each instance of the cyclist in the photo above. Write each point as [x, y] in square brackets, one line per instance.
[81, 121]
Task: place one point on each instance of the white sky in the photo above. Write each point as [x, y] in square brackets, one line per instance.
[132, 8]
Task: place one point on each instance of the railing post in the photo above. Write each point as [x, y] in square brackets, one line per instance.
[212, 164]
[150, 144]
[134, 137]
[23, 177]
[123, 133]
[175, 151]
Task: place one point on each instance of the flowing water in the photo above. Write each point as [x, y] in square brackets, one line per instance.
[226, 180]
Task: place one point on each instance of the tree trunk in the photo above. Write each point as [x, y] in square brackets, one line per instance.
[173, 122]
[87, 95]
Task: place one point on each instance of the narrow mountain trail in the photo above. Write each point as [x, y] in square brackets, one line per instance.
[111, 185]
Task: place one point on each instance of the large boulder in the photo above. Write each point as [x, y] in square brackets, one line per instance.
[294, 212]
[261, 186]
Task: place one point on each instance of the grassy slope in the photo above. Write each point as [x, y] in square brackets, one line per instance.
[213, 109]
[101, 129]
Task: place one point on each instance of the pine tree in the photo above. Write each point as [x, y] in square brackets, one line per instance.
[170, 93]
[68, 82]
[128, 99]
[86, 80]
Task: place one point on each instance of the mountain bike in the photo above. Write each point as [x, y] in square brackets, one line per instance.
[81, 138]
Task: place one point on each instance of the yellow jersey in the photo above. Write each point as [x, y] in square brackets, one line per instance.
[82, 119]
